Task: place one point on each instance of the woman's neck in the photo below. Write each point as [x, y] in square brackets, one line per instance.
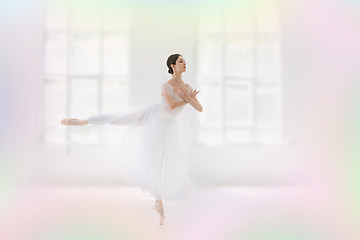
[177, 78]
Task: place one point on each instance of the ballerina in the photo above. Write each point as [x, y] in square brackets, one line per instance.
[154, 160]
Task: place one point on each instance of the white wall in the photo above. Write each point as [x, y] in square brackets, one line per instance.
[21, 28]
[21, 54]
[151, 45]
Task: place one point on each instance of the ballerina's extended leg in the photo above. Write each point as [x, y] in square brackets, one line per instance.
[122, 119]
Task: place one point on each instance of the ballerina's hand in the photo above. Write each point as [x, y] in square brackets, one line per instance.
[184, 95]
[194, 93]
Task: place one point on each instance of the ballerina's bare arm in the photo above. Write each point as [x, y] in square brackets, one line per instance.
[191, 98]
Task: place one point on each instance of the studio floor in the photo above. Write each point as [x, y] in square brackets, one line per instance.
[208, 213]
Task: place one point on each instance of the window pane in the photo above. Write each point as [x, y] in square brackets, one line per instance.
[210, 55]
[56, 15]
[84, 97]
[238, 104]
[239, 136]
[55, 110]
[85, 54]
[210, 136]
[116, 54]
[115, 95]
[211, 97]
[55, 101]
[269, 111]
[55, 53]
[209, 80]
[239, 55]
[268, 55]
[85, 16]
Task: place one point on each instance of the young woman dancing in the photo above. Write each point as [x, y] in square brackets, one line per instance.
[155, 160]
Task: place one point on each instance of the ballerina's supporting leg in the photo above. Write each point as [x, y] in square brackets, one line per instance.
[158, 198]
[160, 209]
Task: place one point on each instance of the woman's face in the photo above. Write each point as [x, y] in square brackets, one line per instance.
[180, 65]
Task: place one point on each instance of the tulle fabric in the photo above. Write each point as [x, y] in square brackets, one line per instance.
[151, 153]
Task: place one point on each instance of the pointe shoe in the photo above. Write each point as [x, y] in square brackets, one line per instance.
[72, 122]
[66, 121]
[160, 210]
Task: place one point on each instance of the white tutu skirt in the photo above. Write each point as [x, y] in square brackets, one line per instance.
[151, 152]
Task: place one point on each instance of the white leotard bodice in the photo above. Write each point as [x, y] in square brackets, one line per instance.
[168, 89]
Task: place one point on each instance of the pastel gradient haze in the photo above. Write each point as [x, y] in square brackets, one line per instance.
[322, 67]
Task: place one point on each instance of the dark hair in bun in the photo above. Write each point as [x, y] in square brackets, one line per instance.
[172, 60]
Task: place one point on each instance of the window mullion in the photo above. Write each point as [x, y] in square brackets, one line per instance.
[223, 98]
[254, 85]
[282, 92]
[101, 79]
[68, 79]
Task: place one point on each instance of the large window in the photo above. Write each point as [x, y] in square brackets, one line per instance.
[239, 59]
[86, 54]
